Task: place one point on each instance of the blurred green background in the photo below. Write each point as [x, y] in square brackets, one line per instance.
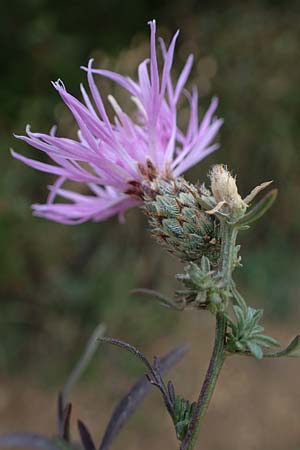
[58, 282]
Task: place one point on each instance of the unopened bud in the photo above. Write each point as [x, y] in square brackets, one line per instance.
[224, 189]
[177, 220]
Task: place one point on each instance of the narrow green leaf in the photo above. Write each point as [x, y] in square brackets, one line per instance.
[239, 313]
[255, 350]
[259, 209]
[238, 298]
[266, 341]
[252, 320]
[240, 346]
[164, 300]
[257, 315]
[230, 323]
[257, 329]
[240, 319]
[205, 264]
[291, 351]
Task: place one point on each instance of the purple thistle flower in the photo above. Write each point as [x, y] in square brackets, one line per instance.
[114, 159]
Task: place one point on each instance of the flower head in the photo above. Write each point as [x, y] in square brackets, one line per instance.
[115, 159]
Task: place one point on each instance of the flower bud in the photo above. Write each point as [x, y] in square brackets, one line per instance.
[224, 189]
[177, 220]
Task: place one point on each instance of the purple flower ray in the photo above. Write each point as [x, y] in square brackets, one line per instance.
[107, 155]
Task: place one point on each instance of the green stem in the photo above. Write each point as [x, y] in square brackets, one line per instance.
[214, 369]
[228, 236]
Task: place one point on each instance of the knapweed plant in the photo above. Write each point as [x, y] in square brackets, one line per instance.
[140, 161]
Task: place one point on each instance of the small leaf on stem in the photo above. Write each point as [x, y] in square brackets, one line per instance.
[291, 351]
[259, 209]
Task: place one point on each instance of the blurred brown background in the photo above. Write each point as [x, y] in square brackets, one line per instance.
[58, 282]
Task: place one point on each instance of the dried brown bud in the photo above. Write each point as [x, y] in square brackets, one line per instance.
[224, 189]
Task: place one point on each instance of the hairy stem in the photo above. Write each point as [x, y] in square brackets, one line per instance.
[214, 369]
[227, 257]
[228, 236]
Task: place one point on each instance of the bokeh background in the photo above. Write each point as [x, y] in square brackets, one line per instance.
[57, 282]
